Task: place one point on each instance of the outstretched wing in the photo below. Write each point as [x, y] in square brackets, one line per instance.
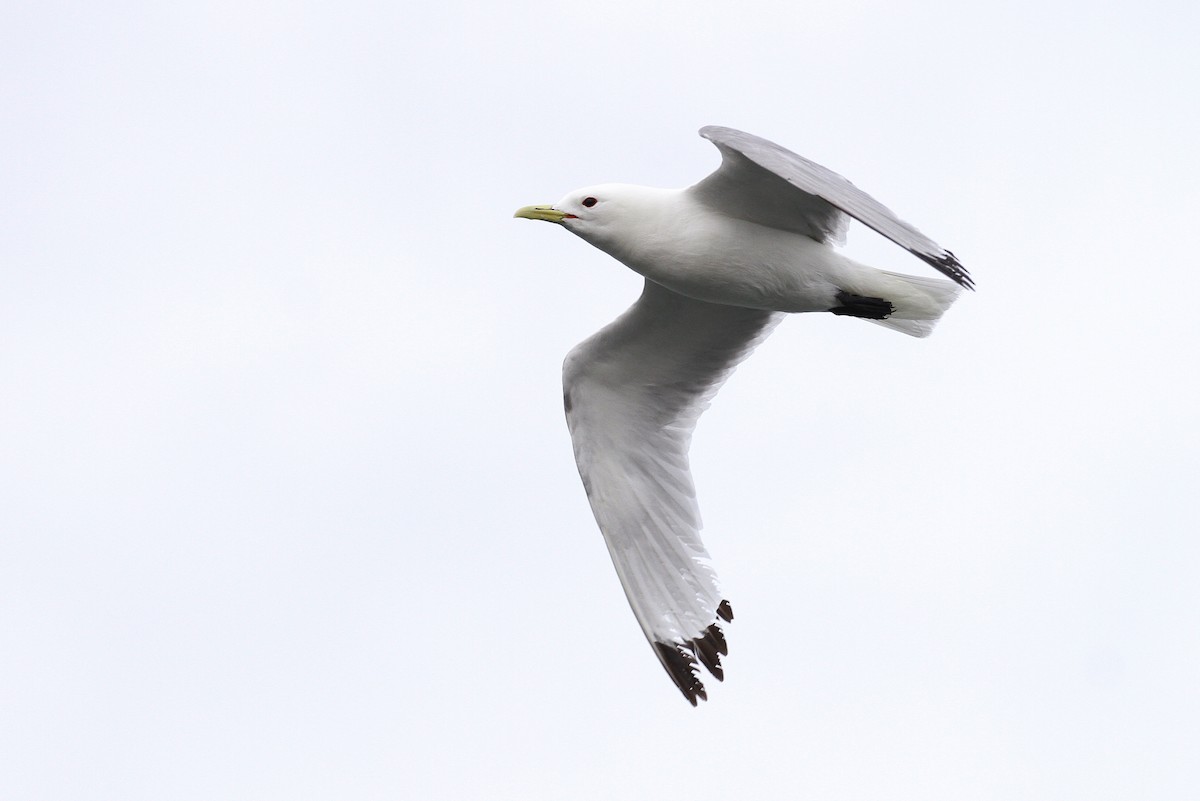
[633, 392]
[761, 182]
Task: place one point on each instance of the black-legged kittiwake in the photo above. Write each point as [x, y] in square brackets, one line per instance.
[723, 260]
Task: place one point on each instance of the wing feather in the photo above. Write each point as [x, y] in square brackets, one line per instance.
[633, 393]
[761, 182]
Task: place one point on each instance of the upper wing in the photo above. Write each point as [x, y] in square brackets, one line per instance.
[633, 392]
[761, 182]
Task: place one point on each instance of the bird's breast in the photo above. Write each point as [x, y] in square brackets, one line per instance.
[720, 259]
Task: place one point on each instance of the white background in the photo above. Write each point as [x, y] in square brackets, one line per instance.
[288, 504]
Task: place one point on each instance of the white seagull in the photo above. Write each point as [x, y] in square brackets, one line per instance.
[722, 260]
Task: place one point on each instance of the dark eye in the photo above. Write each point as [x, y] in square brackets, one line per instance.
[589, 201]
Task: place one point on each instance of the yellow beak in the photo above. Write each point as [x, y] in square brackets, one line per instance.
[547, 213]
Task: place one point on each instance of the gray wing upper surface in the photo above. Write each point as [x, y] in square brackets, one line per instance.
[764, 183]
[633, 393]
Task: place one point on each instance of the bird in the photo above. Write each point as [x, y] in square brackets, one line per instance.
[724, 260]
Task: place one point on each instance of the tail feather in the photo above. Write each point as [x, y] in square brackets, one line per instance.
[919, 301]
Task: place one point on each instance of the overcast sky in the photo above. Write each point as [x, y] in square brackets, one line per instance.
[287, 500]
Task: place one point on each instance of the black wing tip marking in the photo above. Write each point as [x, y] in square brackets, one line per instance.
[683, 659]
[948, 264]
[677, 658]
[725, 611]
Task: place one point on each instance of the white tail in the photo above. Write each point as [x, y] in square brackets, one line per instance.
[919, 301]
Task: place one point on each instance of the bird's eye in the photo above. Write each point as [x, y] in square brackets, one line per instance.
[589, 201]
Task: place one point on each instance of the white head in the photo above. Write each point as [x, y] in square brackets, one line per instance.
[611, 217]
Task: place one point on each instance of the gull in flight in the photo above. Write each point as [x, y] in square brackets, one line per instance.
[723, 260]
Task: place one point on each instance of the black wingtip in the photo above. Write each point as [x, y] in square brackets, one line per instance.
[681, 666]
[949, 265]
[717, 637]
[682, 660]
[725, 611]
[709, 650]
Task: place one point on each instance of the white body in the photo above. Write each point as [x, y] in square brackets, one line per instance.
[670, 237]
[673, 238]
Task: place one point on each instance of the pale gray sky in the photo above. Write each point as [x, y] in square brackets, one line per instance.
[288, 503]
